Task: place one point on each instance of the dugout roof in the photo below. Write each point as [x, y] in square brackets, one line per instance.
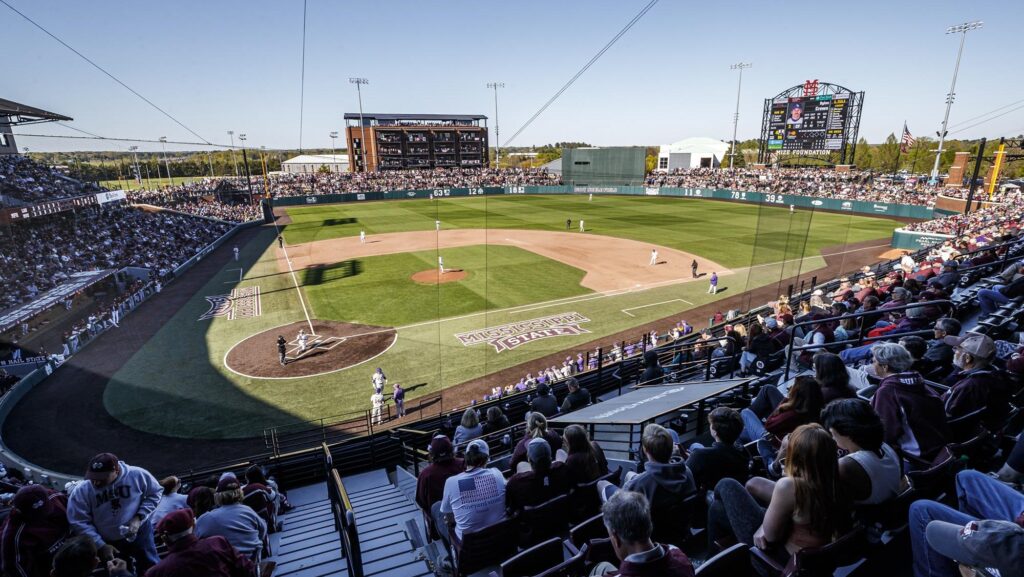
[647, 403]
[25, 114]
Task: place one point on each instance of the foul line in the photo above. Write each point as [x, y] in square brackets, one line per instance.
[626, 311]
[295, 281]
[239, 276]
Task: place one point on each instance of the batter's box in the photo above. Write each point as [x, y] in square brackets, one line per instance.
[313, 343]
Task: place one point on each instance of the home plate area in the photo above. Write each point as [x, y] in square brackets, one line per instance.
[332, 346]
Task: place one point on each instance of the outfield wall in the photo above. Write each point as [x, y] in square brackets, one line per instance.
[908, 240]
[782, 200]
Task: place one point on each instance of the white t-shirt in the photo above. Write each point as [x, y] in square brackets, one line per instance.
[476, 498]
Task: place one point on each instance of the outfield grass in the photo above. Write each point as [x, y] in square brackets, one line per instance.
[732, 234]
[383, 293]
[177, 385]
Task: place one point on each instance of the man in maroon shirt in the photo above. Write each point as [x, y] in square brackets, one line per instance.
[627, 516]
[34, 531]
[430, 483]
[188, 555]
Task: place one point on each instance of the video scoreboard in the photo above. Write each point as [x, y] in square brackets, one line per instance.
[808, 122]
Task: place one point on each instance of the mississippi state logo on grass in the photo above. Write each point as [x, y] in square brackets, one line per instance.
[512, 335]
[243, 303]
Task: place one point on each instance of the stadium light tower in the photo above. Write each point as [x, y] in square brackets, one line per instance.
[167, 162]
[234, 161]
[497, 131]
[736, 116]
[362, 129]
[135, 160]
[333, 135]
[962, 30]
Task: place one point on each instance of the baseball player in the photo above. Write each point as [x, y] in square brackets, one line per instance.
[713, 286]
[398, 394]
[440, 263]
[302, 338]
[437, 225]
[280, 241]
[792, 209]
[581, 225]
[362, 237]
[591, 199]
[693, 268]
[379, 380]
[654, 257]
[282, 349]
[236, 253]
[568, 223]
[377, 400]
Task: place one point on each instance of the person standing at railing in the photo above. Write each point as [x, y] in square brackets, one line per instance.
[398, 394]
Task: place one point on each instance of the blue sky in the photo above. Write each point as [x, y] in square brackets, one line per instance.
[221, 65]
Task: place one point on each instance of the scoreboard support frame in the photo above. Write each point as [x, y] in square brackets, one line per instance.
[851, 128]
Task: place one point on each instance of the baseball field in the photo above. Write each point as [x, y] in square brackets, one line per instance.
[519, 285]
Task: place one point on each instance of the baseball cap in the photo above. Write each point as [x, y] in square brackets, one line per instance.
[977, 345]
[771, 323]
[440, 447]
[986, 543]
[478, 446]
[176, 523]
[538, 449]
[818, 292]
[101, 465]
[901, 294]
[32, 501]
[952, 264]
[227, 482]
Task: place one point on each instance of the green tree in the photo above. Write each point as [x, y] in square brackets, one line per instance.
[885, 154]
[865, 156]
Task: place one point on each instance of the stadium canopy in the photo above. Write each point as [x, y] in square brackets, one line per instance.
[382, 116]
[646, 404]
[18, 113]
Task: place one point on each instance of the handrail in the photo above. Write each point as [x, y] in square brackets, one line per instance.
[861, 337]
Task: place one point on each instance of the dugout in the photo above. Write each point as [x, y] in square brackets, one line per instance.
[604, 166]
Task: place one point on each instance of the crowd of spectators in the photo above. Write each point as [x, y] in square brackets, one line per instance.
[38, 255]
[112, 520]
[344, 182]
[994, 221]
[196, 198]
[25, 180]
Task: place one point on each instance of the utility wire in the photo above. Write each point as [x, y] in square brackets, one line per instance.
[204, 143]
[302, 82]
[987, 120]
[962, 122]
[581, 70]
[101, 69]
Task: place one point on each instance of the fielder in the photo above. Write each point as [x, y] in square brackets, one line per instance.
[379, 380]
[581, 225]
[236, 253]
[302, 338]
[591, 199]
[362, 237]
[437, 225]
[792, 209]
[713, 287]
[440, 264]
[654, 257]
[377, 400]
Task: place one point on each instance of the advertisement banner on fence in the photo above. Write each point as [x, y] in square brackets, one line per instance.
[110, 196]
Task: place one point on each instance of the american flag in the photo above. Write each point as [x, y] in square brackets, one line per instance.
[907, 141]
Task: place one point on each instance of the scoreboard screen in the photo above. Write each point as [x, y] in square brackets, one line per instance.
[808, 122]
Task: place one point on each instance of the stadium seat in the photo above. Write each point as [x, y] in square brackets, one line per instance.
[574, 566]
[815, 561]
[733, 562]
[481, 549]
[549, 519]
[592, 528]
[584, 501]
[672, 524]
[534, 560]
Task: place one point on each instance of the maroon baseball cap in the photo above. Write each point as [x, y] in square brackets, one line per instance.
[101, 465]
[32, 501]
[228, 482]
[175, 523]
[440, 447]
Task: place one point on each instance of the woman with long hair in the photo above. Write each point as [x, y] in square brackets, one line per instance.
[831, 375]
[469, 428]
[584, 458]
[805, 508]
[536, 428]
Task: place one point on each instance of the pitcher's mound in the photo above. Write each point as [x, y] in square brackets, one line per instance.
[434, 276]
[333, 347]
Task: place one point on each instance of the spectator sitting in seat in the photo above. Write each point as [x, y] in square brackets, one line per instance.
[171, 500]
[912, 414]
[804, 508]
[871, 472]
[939, 356]
[627, 516]
[544, 403]
[79, 557]
[1012, 470]
[577, 398]
[991, 299]
[917, 347]
[584, 459]
[256, 476]
[188, 555]
[496, 420]
[469, 428]
[431, 480]
[116, 495]
[976, 384]
[948, 278]
[536, 426]
[35, 528]
[234, 521]
[545, 480]
[665, 481]
[802, 405]
[653, 373]
[724, 458]
[260, 497]
[833, 378]
[980, 498]
[474, 499]
[201, 500]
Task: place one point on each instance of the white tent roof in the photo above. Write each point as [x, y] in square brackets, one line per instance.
[318, 159]
[698, 145]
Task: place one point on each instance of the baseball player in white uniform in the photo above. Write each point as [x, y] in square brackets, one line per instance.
[362, 237]
[437, 225]
[581, 225]
[654, 256]
[379, 380]
[302, 338]
[236, 253]
[591, 197]
[377, 400]
[440, 263]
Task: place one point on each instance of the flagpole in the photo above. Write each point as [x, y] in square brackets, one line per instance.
[899, 149]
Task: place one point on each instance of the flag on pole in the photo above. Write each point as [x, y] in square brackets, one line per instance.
[907, 141]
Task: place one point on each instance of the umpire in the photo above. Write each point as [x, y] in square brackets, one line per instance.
[281, 347]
